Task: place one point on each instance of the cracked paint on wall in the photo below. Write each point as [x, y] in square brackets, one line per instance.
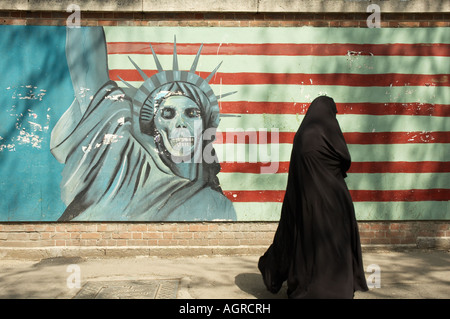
[30, 123]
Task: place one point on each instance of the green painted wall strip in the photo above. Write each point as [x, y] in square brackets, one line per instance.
[385, 181]
[359, 153]
[427, 210]
[293, 64]
[348, 123]
[278, 35]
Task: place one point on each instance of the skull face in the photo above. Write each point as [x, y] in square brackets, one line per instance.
[176, 120]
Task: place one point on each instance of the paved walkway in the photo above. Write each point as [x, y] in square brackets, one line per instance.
[419, 274]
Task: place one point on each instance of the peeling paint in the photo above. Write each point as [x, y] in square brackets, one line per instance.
[115, 97]
[83, 92]
[29, 122]
[111, 138]
[357, 60]
[107, 140]
[29, 138]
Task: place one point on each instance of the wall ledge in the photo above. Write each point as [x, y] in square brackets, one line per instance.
[39, 253]
[248, 6]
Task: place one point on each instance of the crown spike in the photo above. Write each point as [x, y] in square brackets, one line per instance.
[155, 57]
[197, 57]
[208, 79]
[126, 83]
[220, 96]
[143, 75]
[175, 57]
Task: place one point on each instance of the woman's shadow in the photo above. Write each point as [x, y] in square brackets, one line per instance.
[252, 283]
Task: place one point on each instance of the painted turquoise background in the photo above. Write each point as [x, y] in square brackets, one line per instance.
[35, 89]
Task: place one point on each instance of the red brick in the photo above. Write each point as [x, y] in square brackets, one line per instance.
[121, 235]
[121, 242]
[319, 23]
[168, 235]
[137, 227]
[152, 235]
[367, 234]
[198, 227]
[107, 23]
[91, 236]
[136, 242]
[349, 23]
[167, 242]
[379, 226]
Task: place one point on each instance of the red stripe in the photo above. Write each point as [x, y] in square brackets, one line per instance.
[287, 49]
[346, 79]
[246, 107]
[254, 137]
[356, 167]
[357, 195]
[400, 167]
[400, 195]
[253, 168]
[396, 137]
[263, 137]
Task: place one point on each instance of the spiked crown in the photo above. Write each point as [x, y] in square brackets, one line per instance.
[142, 100]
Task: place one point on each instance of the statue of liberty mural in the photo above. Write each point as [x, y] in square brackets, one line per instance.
[130, 153]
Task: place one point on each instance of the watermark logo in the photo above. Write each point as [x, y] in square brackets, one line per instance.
[262, 146]
[374, 20]
[74, 20]
[74, 279]
[374, 279]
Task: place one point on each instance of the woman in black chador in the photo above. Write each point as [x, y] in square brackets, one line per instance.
[316, 247]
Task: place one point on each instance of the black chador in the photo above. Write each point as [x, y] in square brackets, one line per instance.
[316, 247]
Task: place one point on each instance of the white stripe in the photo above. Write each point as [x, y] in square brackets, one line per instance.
[360, 153]
[340, 94]
[256, 211]
[291, 64]
[347, 122]
[276, 35]
[374, 181]
[401, 210]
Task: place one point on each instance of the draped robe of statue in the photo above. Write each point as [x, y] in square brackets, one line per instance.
[113, 171]
[316, 247]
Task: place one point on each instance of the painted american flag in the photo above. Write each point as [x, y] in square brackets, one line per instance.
[391, 87]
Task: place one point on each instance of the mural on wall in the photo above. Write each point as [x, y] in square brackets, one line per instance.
[133, 155]
[185, 124]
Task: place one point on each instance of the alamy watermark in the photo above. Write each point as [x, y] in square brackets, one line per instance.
[235, 146]
[374, 279]
[74, 20]
[74, 279]
[374, 20]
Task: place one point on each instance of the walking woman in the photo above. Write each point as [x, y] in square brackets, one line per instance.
[316, 247]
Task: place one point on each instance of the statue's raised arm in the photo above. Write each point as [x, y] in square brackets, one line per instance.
[87, 61]
[88, 66]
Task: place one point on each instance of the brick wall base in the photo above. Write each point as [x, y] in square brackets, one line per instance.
[44, 240]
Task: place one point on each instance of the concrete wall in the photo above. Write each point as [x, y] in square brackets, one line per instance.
[249, 6]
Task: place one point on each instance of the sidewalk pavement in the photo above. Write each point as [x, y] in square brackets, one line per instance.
[406, 274]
